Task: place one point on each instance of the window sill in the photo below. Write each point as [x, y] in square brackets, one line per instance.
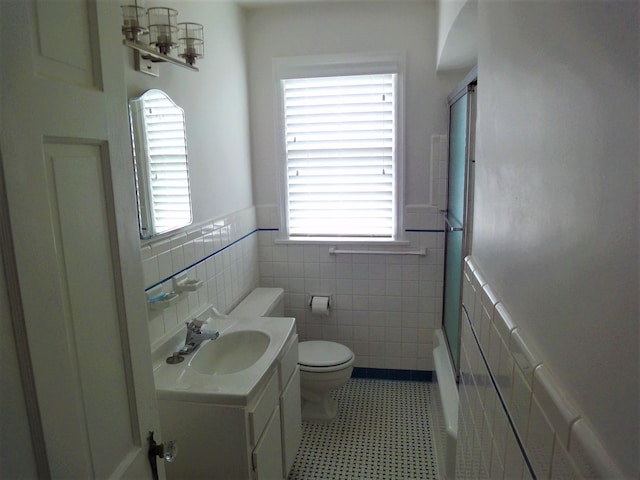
[341, 241]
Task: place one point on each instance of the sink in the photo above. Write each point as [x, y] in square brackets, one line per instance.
[226, 370]
[230, 353]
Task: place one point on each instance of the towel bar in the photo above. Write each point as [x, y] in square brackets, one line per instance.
[421, 251]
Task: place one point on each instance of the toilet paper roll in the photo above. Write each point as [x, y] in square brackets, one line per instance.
[320, 305]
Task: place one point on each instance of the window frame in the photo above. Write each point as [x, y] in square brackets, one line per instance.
[334, 66]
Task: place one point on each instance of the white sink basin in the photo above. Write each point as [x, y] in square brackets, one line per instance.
[230, 353]
[226, 370]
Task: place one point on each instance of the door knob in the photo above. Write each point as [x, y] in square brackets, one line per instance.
[168, 451]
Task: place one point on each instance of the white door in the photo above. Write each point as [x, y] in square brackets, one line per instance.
[77, 305]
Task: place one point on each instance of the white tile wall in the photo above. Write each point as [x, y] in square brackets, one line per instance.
[223, 253]
[539, 431]
[385, 307]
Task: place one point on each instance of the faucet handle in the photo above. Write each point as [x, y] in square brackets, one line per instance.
[192, 326]
[195, 324]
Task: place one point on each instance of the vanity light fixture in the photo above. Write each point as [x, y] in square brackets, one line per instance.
[154, 33]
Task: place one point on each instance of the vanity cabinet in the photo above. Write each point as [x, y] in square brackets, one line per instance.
[254, 441]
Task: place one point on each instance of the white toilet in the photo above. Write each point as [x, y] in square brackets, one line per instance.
[324, 366]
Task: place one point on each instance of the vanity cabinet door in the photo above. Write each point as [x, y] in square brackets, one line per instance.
[291, 421]
[291, 415]
[261, 412]
[288, 362]
[267, 455]
[290, 408]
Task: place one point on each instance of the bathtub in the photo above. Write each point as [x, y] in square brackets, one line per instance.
[448, 403]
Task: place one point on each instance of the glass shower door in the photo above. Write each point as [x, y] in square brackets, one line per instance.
[457, 216]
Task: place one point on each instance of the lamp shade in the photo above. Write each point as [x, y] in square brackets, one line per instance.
[190, 41]
[134, 22]
[163, 28]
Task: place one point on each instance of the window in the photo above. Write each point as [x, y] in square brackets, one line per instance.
[341, 155]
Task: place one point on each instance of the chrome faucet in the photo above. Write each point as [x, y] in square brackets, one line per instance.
[196, 335]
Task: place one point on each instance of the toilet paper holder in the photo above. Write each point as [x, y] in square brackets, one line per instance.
[311, 295]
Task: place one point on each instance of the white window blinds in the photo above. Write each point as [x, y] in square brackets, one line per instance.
[168, 174]
[340, 153]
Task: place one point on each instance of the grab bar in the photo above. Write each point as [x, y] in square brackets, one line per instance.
[448, 222]
[421, 251]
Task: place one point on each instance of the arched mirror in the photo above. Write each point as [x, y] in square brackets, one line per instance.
[162, 171]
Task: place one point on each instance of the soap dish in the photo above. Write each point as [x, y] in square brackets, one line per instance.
[158, 300]
[182, 283]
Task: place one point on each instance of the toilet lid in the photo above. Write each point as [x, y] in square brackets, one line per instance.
[318, 353]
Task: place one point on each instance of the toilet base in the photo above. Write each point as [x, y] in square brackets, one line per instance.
[324, 411]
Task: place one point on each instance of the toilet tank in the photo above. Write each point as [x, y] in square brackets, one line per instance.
[261, 302]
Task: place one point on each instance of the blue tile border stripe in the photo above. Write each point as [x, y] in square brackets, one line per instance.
[160, 282]
[502, 402]
[418, 230]
[204, 259]
[393, 374]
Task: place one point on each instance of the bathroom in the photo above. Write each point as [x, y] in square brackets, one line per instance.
[553, 241]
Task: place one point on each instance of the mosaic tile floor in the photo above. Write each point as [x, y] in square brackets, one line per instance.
[383, 431]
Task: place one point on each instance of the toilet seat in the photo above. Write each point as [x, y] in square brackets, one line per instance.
[323, 356]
